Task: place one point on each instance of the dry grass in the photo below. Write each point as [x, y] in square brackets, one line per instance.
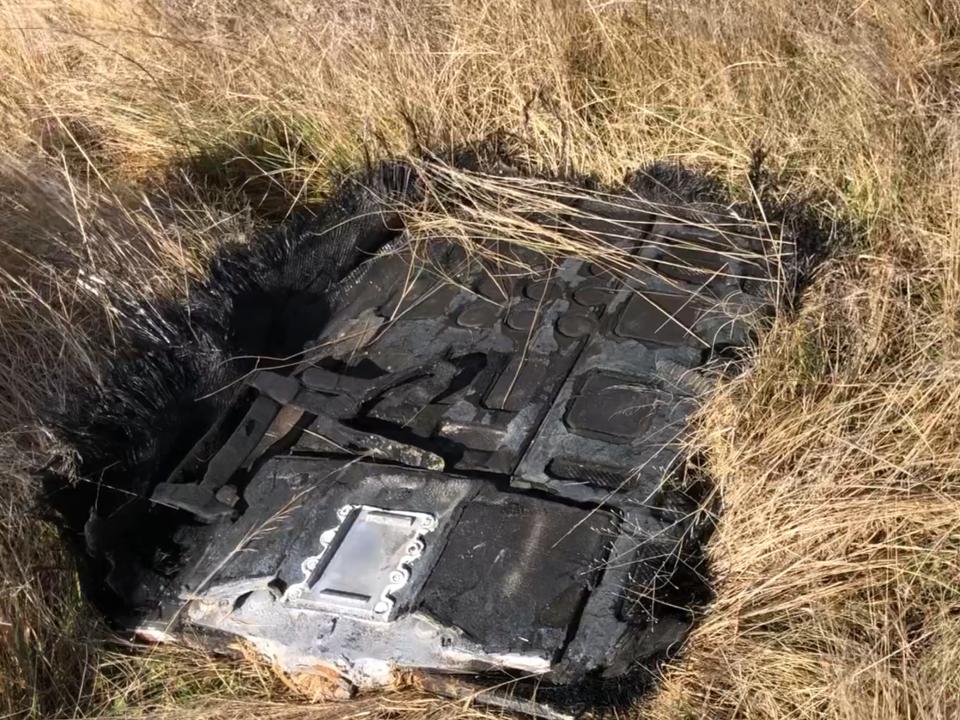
[137, 134]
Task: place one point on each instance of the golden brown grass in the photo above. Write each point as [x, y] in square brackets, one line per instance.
[139, 135]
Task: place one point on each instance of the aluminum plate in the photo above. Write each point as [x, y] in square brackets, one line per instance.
[363, 562]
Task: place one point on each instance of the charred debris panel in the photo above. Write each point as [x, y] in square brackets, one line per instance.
[470, 471]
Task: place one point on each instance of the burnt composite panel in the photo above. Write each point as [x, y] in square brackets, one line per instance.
[532, 418]
[527, 421]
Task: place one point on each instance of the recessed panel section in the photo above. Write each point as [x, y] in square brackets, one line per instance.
[695, 254]
[662, 318]
[612, 406]
[517, 384]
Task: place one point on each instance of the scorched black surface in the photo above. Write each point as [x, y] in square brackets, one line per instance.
[467, 466]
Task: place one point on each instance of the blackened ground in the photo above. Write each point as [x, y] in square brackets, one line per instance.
[266, 300]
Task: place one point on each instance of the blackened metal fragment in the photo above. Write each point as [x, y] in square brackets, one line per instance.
[536, 411]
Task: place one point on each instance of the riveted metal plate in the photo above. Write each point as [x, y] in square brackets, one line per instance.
[363, 562]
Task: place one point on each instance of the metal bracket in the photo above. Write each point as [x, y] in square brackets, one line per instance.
[364, 561]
